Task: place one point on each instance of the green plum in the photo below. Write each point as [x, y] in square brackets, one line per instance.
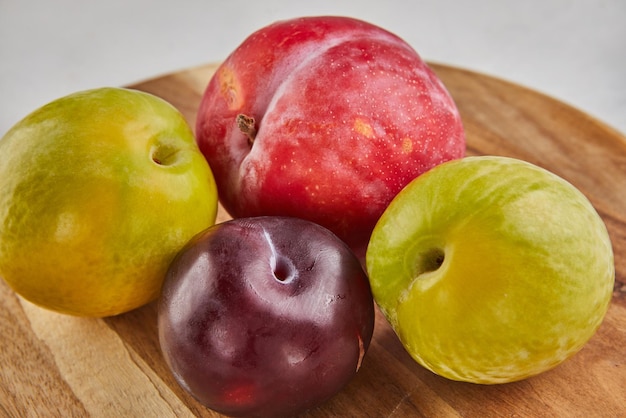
[98, 192]
[491, 269]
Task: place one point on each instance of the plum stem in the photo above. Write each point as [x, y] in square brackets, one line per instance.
[246, 125]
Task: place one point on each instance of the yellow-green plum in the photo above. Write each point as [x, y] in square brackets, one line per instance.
[98, 192]
[491, 269]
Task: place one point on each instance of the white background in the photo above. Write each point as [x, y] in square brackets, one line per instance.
[572, 50]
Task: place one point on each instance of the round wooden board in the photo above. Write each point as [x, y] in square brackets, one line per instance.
[61, 366]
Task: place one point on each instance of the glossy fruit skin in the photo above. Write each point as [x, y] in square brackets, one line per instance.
[346, 114]
[98, 192]
[491, 269]
[265, 316]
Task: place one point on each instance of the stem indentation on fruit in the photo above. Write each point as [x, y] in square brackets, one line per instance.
[283, 271]
[430, 260]
[164, 154]
[247, 125]
[282, 267]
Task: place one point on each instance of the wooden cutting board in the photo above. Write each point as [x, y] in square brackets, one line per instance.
[60, 366]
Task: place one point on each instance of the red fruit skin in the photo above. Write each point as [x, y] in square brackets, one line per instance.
[346, 115]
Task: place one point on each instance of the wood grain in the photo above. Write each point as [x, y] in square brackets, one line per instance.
[60, 366]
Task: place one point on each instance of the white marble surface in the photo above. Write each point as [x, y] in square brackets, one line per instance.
[573, 50]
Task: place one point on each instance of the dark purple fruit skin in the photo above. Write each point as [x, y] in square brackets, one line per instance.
[248, 336]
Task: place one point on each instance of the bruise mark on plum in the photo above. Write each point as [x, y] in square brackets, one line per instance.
[230, 88]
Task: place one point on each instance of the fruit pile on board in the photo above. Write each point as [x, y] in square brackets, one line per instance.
[341, 157]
